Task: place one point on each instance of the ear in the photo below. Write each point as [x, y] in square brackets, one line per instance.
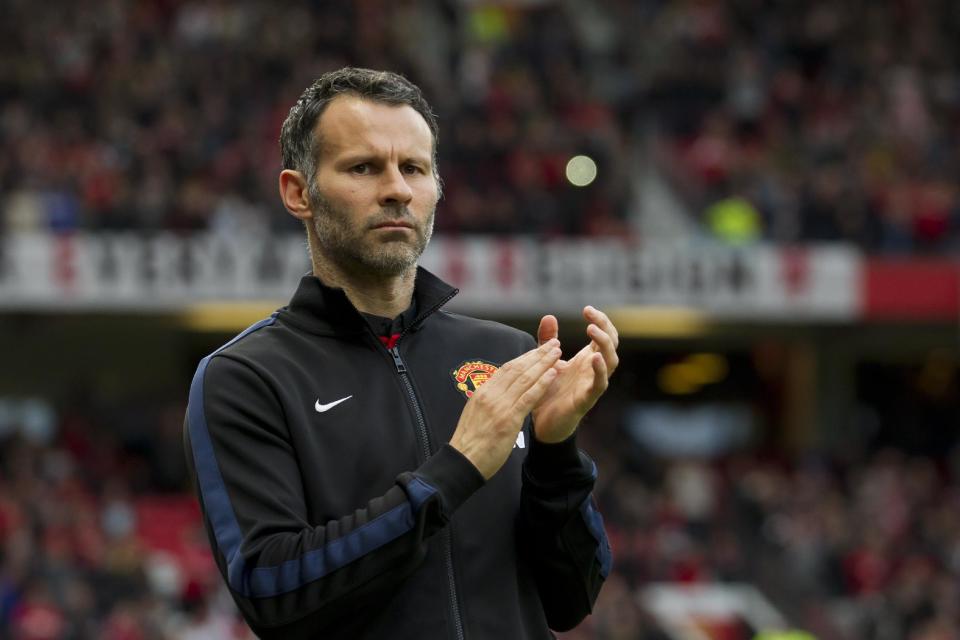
[294, 194]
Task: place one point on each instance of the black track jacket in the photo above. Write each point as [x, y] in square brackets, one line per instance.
[336, 509]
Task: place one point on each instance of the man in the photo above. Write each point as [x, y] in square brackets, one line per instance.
[365, 460]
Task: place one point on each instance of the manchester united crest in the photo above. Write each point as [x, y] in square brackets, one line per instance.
[471, 374]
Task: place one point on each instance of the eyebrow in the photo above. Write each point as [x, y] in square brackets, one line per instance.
[358, 157]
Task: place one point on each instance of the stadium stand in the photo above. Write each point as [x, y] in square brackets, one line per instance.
[824, 121]
[101, 539]
[166, 115]
[794, 122]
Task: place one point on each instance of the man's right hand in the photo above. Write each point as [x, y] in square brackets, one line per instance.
[494, 415]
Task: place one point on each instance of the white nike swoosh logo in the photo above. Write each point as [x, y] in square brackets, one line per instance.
[326, 407]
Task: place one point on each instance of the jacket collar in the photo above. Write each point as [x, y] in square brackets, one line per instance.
[326, 310]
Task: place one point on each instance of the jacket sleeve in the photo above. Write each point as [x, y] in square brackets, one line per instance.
[279, 566]
[562, 531]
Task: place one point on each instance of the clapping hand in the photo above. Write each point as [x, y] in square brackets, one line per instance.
[580, 381]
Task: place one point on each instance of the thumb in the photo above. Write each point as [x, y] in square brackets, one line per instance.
[548, 330]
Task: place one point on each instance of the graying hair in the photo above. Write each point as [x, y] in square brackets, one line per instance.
[299, 148]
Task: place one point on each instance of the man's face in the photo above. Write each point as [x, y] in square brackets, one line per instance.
[374, 195]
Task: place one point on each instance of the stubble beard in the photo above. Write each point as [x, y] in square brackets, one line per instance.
[352, 249]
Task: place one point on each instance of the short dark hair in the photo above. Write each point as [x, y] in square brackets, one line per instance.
[298, 148]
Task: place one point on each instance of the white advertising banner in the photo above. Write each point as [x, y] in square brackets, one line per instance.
[514, 276]
[758, 282]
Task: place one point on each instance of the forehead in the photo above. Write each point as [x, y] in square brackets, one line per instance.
[352, 124]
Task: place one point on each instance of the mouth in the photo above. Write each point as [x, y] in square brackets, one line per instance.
[394, 224]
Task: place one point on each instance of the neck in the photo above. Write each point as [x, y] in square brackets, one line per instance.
[375, 294]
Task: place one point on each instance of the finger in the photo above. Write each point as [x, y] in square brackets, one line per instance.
[532, 374]
[604, 345]
[592, 314]
[533, 395]
[597, 386]
[508, 373]
[548, 329]
[600, 377]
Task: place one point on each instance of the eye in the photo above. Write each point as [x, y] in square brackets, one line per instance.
[411, 169]
[361, 169]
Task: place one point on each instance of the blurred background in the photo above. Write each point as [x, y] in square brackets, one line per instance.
[762, 193]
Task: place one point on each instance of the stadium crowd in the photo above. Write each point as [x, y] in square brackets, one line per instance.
[868, 551]
[787, 121]
[98, 533]
[811, 120]
[165, 115]
[100, 536]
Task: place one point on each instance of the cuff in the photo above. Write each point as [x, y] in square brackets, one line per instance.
[550, 460]
[454, 477]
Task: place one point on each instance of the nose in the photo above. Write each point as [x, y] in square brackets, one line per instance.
[394, 189]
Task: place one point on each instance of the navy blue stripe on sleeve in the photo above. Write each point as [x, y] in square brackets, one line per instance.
[290, 575]
[594, 522]
[419, 491]
[213, 491]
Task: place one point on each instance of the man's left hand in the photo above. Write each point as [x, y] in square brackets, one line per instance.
[580, 381]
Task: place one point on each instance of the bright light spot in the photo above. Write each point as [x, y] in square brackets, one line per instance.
[708, 368]
[692, 373]
[675, 381]
[581, 171]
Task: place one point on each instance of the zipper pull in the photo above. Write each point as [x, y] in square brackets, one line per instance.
[401, 368]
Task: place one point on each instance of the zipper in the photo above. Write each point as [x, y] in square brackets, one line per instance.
[452, 581]
[422, 436]
[412, 397]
